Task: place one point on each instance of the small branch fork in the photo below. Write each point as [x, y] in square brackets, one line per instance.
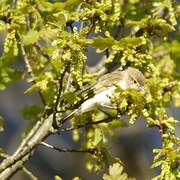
[31, 74]
[42, 129]
[15, 162]
[90, 150]
[24, 169]
[57, 100]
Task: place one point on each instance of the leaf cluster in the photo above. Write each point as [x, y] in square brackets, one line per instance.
[52, 38]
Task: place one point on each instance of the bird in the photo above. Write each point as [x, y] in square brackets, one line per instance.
[103, 89]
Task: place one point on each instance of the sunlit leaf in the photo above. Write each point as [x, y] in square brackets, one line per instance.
[1, 124]
[31, 37]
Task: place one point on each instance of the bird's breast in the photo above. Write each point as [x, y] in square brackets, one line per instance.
[122, 84]
[100, 98]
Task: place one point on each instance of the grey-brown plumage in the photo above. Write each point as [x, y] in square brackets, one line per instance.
[105, 86]
[132, 75]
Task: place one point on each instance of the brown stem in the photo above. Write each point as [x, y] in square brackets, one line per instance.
[57, 100]
[90, 150]
[29, 173]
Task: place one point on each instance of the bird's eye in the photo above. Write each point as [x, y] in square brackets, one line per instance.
[135, 82]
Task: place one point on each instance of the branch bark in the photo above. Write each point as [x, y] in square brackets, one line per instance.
[65, 150]
[36, 136]
[26, 149]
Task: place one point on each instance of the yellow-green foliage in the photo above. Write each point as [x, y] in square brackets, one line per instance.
[56, 36]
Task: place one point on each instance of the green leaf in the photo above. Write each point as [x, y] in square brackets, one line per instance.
[2, 86]
[48, 33]
[3, 26]
[177, 101]
[8, 75]
[118, 123]
[71, 4]
[43, 82]
[109, 43]
[47, 6]
[57, 65]
[1, 124]
[98, 137]
[57, 178]
[70, 97]
[157, 163]
[103, 43]
[116, 173]
[57, 6]
[33, 88]
[11, 44]
[131, 42]
[31, 112]
[76, 178]
[31, 37]
[2, 152]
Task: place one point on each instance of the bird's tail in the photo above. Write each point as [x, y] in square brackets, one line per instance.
[71, 115]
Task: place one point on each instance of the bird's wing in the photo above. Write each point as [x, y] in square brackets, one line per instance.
[107, 80]
[103, 82]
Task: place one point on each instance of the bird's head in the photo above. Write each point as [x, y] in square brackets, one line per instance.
[135, 79]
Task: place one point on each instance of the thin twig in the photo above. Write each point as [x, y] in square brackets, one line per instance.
[68, 82]
[29, 68]
[90, 150]
[26, 60]
[169, 87]
[59, 91]
[31, 74]
[29, 173]
[60, 88]
[4, 155]
[91, 26]
[14, 4]
[109, 119]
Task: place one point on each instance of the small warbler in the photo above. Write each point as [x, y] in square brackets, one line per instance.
[104, 88]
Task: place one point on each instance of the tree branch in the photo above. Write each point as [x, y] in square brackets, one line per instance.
[29, 173]
[92, 123]
[28, 66]
[24, 169]
[13, 163]
[57, 99]
[69, 81]
[40, 131]
[90, 150]
[9, 171]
